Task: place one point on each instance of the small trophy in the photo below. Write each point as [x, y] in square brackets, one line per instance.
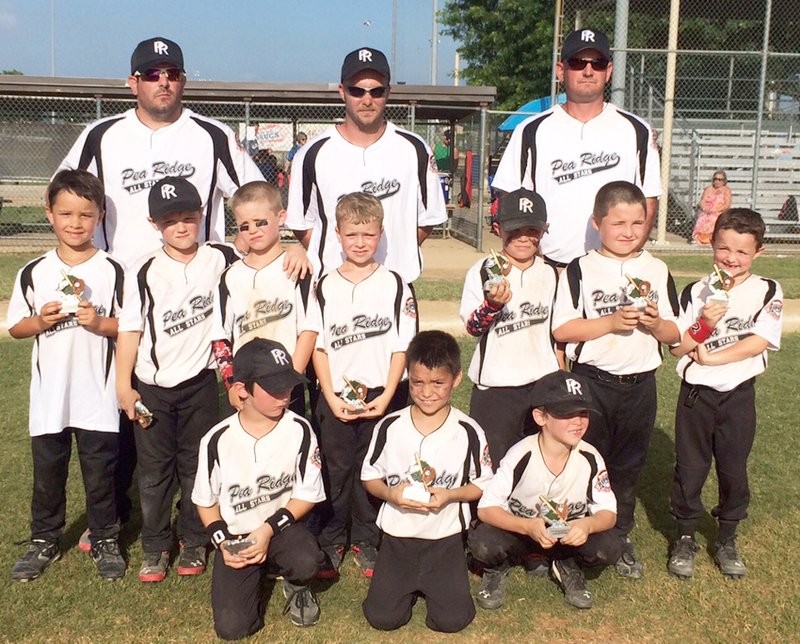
[555, 516]
[355, 394]
[635, 292]
[71, 289]
[420, 475]
[497, 267]
[143, 415]
[720, 283]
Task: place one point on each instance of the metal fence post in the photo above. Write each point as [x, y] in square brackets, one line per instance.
[760, 116]
[98, 106]
[484, 167]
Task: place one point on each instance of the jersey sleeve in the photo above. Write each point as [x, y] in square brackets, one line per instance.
[769, 322]
[73, 158]
[499, 488]
[21, 305]
[651, 184]
[374, 465]
[688, 307]
[131, 316]
[303, 299]
[223, 310]
[434, 211]
[314, 322]
[308, 472]
[407, 327]
[207, 484]
[472, 295]
[509, 174]
[297, 217]
[481, 474]
[569, 299]
[245, 168]
[601, 496]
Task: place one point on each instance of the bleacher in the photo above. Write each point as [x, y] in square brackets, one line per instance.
[697, 154]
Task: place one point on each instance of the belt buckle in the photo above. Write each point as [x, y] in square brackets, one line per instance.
[628, 379]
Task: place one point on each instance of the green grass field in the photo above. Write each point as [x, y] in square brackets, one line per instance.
[70, 603]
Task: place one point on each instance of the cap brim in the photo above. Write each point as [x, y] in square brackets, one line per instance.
[567, 408]
[282, 382]
[515, 223]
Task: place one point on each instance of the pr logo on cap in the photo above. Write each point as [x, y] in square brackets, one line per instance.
[587, 35]
[168, 191]
[160, 48]
[365, 55]
[279, 356]
[525, 205]
[574, 387]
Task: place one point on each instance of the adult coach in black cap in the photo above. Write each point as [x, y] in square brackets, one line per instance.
[366, 153]
[567, 153]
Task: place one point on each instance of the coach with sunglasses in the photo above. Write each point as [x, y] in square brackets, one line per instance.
[366, 153]
[129, 152]
[570, 151]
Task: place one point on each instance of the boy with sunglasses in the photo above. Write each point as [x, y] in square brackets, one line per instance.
[567, 153]
[366, 153]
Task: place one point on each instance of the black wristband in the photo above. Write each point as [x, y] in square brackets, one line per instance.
[218, 533]
[281, 520]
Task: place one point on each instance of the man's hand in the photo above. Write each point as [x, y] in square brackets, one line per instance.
[296, 264]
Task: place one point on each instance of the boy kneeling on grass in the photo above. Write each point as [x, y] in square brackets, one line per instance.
[555, 478]
[444, 452]
[258, 474]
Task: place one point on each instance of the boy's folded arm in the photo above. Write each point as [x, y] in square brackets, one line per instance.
[599, 522]
[498, 517]
[747, 348]
[582, 330]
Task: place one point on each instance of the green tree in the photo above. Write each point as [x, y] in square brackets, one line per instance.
[504, 43]
[12, 72]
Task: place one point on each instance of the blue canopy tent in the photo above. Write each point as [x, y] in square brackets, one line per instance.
[529, 109]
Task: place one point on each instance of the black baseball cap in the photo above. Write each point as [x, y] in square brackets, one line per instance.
[153, 52]
[172, 194]
[562, 393]
[268, 364]
[582, 39]
[521, 209]
[365, 58]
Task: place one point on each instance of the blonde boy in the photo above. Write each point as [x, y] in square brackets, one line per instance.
[366, 316]
[255, 297]
[614, 335]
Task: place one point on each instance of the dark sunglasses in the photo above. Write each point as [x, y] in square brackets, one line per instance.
[578, 64]
[358, 92]
[152, 75]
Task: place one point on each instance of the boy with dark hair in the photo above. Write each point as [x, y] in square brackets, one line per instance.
[365, 315]
[256, 298]
[258, 475]
[68, 299]
[723, 348]
[165, 334]
[426, 462]
[614, 307]
[554, 469]
[510, 319]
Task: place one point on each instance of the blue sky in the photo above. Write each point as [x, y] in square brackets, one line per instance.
[242, 40]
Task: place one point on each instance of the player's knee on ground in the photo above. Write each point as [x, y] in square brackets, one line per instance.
[453, 620]
[483, 547]
[383, 618]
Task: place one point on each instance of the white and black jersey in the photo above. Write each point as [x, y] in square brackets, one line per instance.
[361, 325]
[129, 157]
[458, 453]
[518, 347]
[261, 303]
[252, 478]
[755, 307]
[592, 287]
[73, 381]
[523, 477]
[398, 169]
[172, 305]
[567, 162]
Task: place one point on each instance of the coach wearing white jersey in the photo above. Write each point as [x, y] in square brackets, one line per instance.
[567, 153]
[158, 138]
[366, 153]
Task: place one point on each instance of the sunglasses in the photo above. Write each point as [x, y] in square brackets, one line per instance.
[719, 178]
[152, 75]
[358, 92]
[578, 64]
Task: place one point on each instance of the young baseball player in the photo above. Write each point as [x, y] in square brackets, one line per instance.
[510, 318]
[68, 300]
[258, 475]
[444, 452]
[256, 298]
[614, 306]
[365, 315]
[551, 471]
[723, 348]
[165, 341]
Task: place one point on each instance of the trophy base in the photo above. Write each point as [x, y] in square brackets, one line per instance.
[414, 493]
[558, 530]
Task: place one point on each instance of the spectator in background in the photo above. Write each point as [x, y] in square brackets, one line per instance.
[446, 155]
[267, 163]
[300, 141]
[715, 199]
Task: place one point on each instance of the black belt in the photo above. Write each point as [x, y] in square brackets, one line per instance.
[554, 263]
[605, 376]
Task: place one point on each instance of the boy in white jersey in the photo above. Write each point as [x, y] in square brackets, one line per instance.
[258, 475]
[256, 298]
[68, 300]
[614, 307]
[445, 451]
[366, 316]
[549, 471]
[723, 348]
[165, 334]
[511, 322]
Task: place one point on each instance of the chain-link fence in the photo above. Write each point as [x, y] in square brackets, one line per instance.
[736, 97]
[37, 132]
